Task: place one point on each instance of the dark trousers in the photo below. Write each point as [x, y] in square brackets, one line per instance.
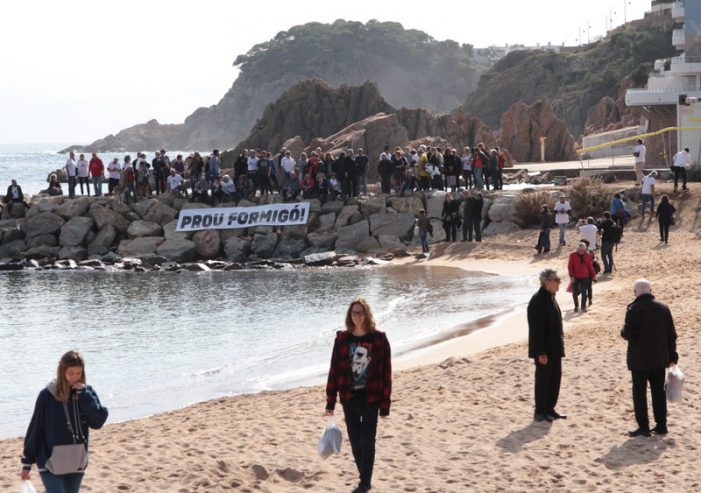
[385, 183]
[659, 402]
[451, 230]
[580, 286]
[679, 171]
[71, 187]
[467, 227]
[467, 176]
[65, 483]
[543, 241]
[547, 385]
[361, 423]
[664, 231]
[86, 180]
[607, 255]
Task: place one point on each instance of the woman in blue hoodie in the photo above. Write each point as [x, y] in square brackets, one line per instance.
[57, 437]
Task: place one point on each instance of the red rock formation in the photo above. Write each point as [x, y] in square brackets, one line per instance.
[523, 125]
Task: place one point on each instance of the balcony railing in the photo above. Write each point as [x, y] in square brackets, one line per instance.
[678, 37]
[678, 10]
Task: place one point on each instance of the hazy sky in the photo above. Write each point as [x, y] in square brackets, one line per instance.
[72, 72]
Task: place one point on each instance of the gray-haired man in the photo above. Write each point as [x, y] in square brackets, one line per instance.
[546, 345]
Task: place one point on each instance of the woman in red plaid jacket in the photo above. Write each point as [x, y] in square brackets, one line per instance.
[361, 374]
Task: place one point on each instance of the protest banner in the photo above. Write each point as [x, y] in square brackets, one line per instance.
[243, 217]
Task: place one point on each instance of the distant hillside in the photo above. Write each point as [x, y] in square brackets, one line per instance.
[410, 68]
[573, 81]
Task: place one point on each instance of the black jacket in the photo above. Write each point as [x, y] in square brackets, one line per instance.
[545, 334]
[608, 231]
[20, 195]
[649, 330]
[665, 213]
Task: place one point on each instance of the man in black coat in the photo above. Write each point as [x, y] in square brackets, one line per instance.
[14, 196]
[652, 347]
[546, 345]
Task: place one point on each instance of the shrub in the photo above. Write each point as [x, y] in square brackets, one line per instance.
[527, 207]
[589, 197]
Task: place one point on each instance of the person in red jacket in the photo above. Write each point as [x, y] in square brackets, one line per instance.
[581, 270]
[97, 170]
[361, 374]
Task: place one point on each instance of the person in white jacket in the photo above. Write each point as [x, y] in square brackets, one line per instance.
[681, 161]
[562, 210]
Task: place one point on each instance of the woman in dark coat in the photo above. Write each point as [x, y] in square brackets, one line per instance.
[665, 216]
[450, 217]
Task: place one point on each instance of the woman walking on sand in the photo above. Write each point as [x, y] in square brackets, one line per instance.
[361, 374]
[57, 437]
[665, 217]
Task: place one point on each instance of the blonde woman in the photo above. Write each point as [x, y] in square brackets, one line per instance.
[361, 375]
[57, 437]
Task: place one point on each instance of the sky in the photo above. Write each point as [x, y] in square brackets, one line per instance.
[73, 72]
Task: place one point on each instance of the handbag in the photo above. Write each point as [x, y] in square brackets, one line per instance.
[71, 458]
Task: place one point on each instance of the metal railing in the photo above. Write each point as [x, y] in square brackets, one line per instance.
[667, 89]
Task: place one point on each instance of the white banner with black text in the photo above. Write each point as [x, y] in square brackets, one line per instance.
[243, 217]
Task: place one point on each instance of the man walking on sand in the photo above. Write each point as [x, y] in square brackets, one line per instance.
[546, 345]
[652, 347]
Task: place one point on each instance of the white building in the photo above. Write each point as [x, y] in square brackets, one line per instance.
[672, 97]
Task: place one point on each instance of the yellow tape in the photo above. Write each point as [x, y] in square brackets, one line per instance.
[636, 137]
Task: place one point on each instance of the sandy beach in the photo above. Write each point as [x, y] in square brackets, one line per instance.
[461, 417]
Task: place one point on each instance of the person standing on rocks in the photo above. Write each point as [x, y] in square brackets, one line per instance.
[450, 217]
[361, 160]
[562, 216]
[114, 170]
[546, 345]
[400, 165]
[361, 375]
[71, 174]
[97, 172]
[425, 229]
[83, 174]
[639, 154]
[385, 169]
[652, 347]
[467, 167]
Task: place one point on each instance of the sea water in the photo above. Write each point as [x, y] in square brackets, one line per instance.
[160, 341]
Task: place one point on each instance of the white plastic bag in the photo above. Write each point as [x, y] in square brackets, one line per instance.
[330, 441]
[27, 487]
[673, 383]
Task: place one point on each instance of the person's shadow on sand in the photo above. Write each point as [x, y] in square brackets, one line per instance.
[514, 441]
[638, 450]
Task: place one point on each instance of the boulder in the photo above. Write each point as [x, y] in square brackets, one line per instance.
[289, 248]
[13, 249]
[73, 252]
[399, 225]
[40, 207]
[334, 206]
[178, 250]
[161, 214]
[44, 223]
[322, 240]
[142, 207]
[19, 211]
[74, 207]
[237, 249]
[41, 252]
[498, 228]
[225, 234]
[345, 214]
[75, 230]
[501, 211]
[390, 242]
[350, 236]
[8, 224]
[408, 204]
[11, 235]
[263, 245]
[314, 206]
[102, 242]
[42, 240]
[368, 245]
[319, 259]
[434, 203]
[438, 232]
[207, 243]
[327, 221]
[152, 260]
[299, 232]
[170, 234]
[139, 246]
[104, 216]
[374, 205]
[144, 228]
[120, 207]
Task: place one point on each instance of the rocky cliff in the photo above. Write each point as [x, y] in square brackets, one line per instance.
[575, 80]
[409, 66]
[147, 136]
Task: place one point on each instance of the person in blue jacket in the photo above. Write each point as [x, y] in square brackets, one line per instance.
[57, 437]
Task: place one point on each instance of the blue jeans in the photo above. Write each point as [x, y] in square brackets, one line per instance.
[651, 198]
[97, 185]
[479, 184]
[562, 227]
[65, 483]
[71, 187]
[424, 241]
